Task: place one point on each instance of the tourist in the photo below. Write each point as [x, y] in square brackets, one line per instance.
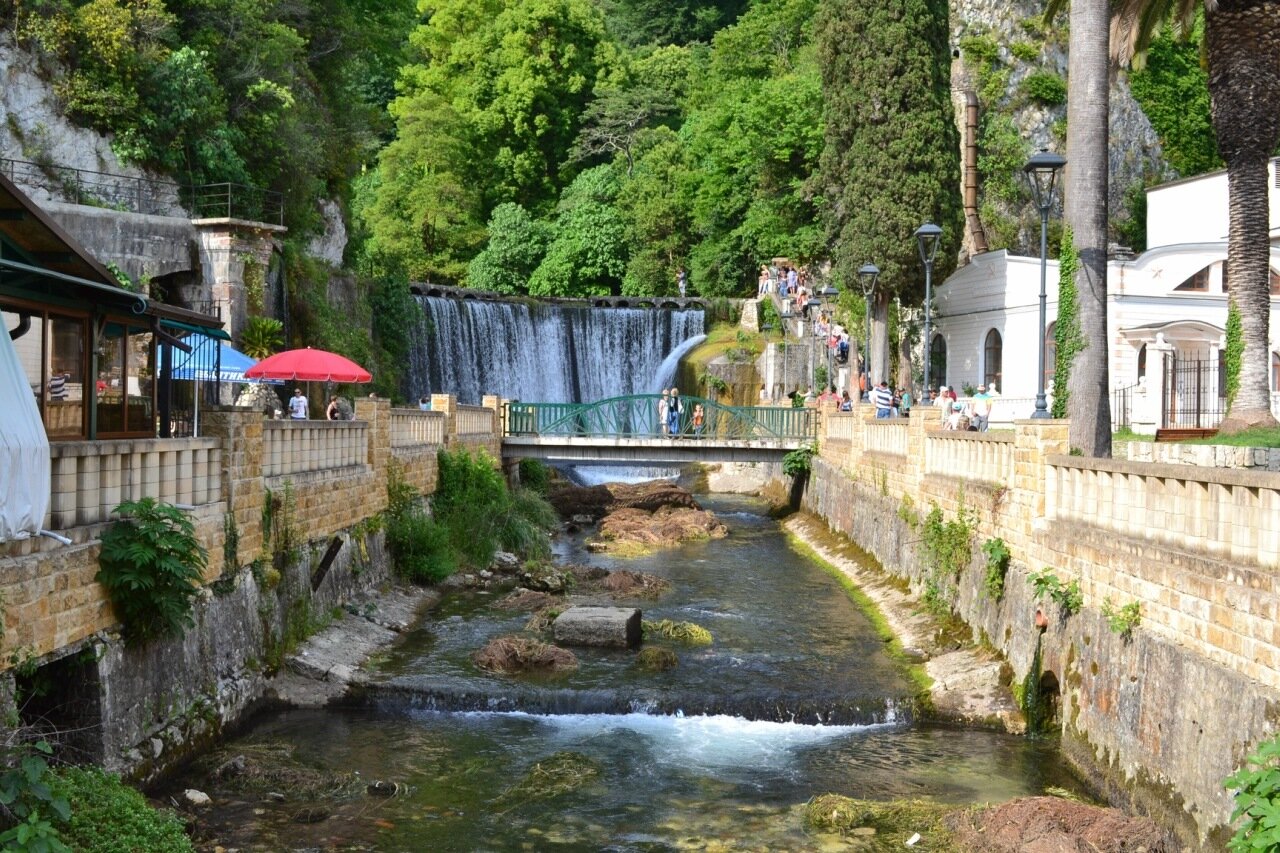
[762, 283]
[764, 395]
[942, 400]
[904, 395]
[956, 419]
[882, 399]
[674, 411]
[664, 405]
[424, 404]
[981, 409]
[58, 386]
[333, 411]
[699, 415]
[297, 406]
[846, 404]
[682, 281]
[793, 279]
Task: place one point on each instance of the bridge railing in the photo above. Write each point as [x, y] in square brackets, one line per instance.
[636, 416]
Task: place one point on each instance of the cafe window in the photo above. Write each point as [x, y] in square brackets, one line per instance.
[992, 358]
[124, 387]
[54, 359]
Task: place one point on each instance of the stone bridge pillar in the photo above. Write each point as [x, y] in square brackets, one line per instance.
[234, 257]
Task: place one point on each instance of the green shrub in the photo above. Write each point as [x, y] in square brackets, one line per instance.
[1068, 596]
[107, 816]
[535, 475]
[1122, 620]
[420, 547]
[1044, 87]
[798, 462]
[1257, 798]
[1025, 50]
[997, 566]
[29, 803]
[151, 565]
[526, 521]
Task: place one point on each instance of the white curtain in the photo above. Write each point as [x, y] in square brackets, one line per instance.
[24, 449]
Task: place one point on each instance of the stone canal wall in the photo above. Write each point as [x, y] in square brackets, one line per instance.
[287, 514]
[1157, 717]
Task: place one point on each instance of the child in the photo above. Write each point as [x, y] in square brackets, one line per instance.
[698, 417]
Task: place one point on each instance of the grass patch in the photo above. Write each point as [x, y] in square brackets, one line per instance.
[1127, 434]
[894, 822]
[892, 644]
[1256, 437]
[107, 816]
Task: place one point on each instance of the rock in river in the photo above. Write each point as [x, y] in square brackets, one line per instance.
[617, 627]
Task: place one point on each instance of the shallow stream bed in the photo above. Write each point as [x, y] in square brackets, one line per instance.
[717, 754]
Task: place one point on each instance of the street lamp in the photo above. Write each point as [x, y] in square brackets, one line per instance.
[786, 324]
[765, 329]
[829, 294]
[1042, 173]
[927, 237]
[868, 275]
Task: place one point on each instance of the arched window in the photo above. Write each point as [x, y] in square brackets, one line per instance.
[938, 361]
[992, 357]
[1275, 283]
[1050, 355]
[1275, 371]
[1142, 361]
[1199, 283]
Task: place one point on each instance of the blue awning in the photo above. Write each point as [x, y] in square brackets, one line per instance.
[200, 364]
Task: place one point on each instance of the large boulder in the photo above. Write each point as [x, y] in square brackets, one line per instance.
[595, 502]
[615, 627]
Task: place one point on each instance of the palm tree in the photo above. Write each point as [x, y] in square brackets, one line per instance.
[1242, 49]
[1085, 212]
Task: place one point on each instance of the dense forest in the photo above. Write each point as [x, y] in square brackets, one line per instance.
[576, 147]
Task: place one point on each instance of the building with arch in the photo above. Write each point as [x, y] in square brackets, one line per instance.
[1166, 315]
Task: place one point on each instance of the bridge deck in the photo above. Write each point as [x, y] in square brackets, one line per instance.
[642, 451]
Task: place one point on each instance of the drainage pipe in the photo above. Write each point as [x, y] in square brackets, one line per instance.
[972, 220]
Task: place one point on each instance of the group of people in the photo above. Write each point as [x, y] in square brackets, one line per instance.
[974, 415]
[670, 411]
[300, 408]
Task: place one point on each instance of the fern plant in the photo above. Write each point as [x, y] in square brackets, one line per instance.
[261, 336]
[151, 565]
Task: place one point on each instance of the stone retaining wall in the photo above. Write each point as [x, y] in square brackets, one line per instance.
[1157, 718]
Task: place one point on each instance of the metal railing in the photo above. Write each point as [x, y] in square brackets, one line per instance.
[131, 194]
[636, 416]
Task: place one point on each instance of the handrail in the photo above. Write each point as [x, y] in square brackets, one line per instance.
[636, 416]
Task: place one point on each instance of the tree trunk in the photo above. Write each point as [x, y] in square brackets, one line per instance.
[1085, 210]
[1243, 41]
[880, 336]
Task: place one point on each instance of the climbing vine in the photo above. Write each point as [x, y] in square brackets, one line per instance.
[1067, 339]
[948, 547]
[1235, 351]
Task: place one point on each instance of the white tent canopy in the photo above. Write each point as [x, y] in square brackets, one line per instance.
[24, 451]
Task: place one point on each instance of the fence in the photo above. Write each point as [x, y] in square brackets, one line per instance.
[978, 456]
[416, 428]
[91, 478]
[474, 420]
[886, 435]
[1194, 393]
[146, 195]
[290, 447]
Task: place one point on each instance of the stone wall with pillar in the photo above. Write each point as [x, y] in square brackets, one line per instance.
[233, 255]
[1157, 716]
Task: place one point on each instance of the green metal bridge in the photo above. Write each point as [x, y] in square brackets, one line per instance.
[628, 431]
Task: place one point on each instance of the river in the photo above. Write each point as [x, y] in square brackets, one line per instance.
[795, 697]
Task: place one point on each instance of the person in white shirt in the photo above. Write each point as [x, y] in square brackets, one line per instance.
[298, 406]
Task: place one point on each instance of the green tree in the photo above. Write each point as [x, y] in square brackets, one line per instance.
[891, 158]
[587, 254]
[654, 207]
[640, 22]
[1172, 88]
[515, 248]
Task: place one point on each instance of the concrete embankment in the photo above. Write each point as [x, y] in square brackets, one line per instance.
[1154, 725]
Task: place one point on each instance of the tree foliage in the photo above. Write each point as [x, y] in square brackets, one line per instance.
[891, 159]
[1172, 89]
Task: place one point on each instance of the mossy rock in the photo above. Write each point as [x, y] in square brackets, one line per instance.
[882, 826]
[510, 655]
[681, 632]
[657, 659]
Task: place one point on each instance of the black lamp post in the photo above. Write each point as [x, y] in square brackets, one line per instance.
[927, 237]
[829, 295]
[1042, 173]
[786, 322]
[868, 275]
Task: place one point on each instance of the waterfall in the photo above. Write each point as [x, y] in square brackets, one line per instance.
[544, 353]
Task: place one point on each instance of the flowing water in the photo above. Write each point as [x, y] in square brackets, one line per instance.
[545, 353]
[794, 698]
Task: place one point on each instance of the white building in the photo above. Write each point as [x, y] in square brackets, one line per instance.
[1166, 315]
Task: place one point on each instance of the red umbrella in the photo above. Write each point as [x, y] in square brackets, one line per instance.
[308, 365]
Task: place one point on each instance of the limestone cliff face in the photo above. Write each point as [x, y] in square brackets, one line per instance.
[1023, 46]
[35, 129]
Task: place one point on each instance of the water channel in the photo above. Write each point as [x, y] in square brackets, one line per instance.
[795, 697]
